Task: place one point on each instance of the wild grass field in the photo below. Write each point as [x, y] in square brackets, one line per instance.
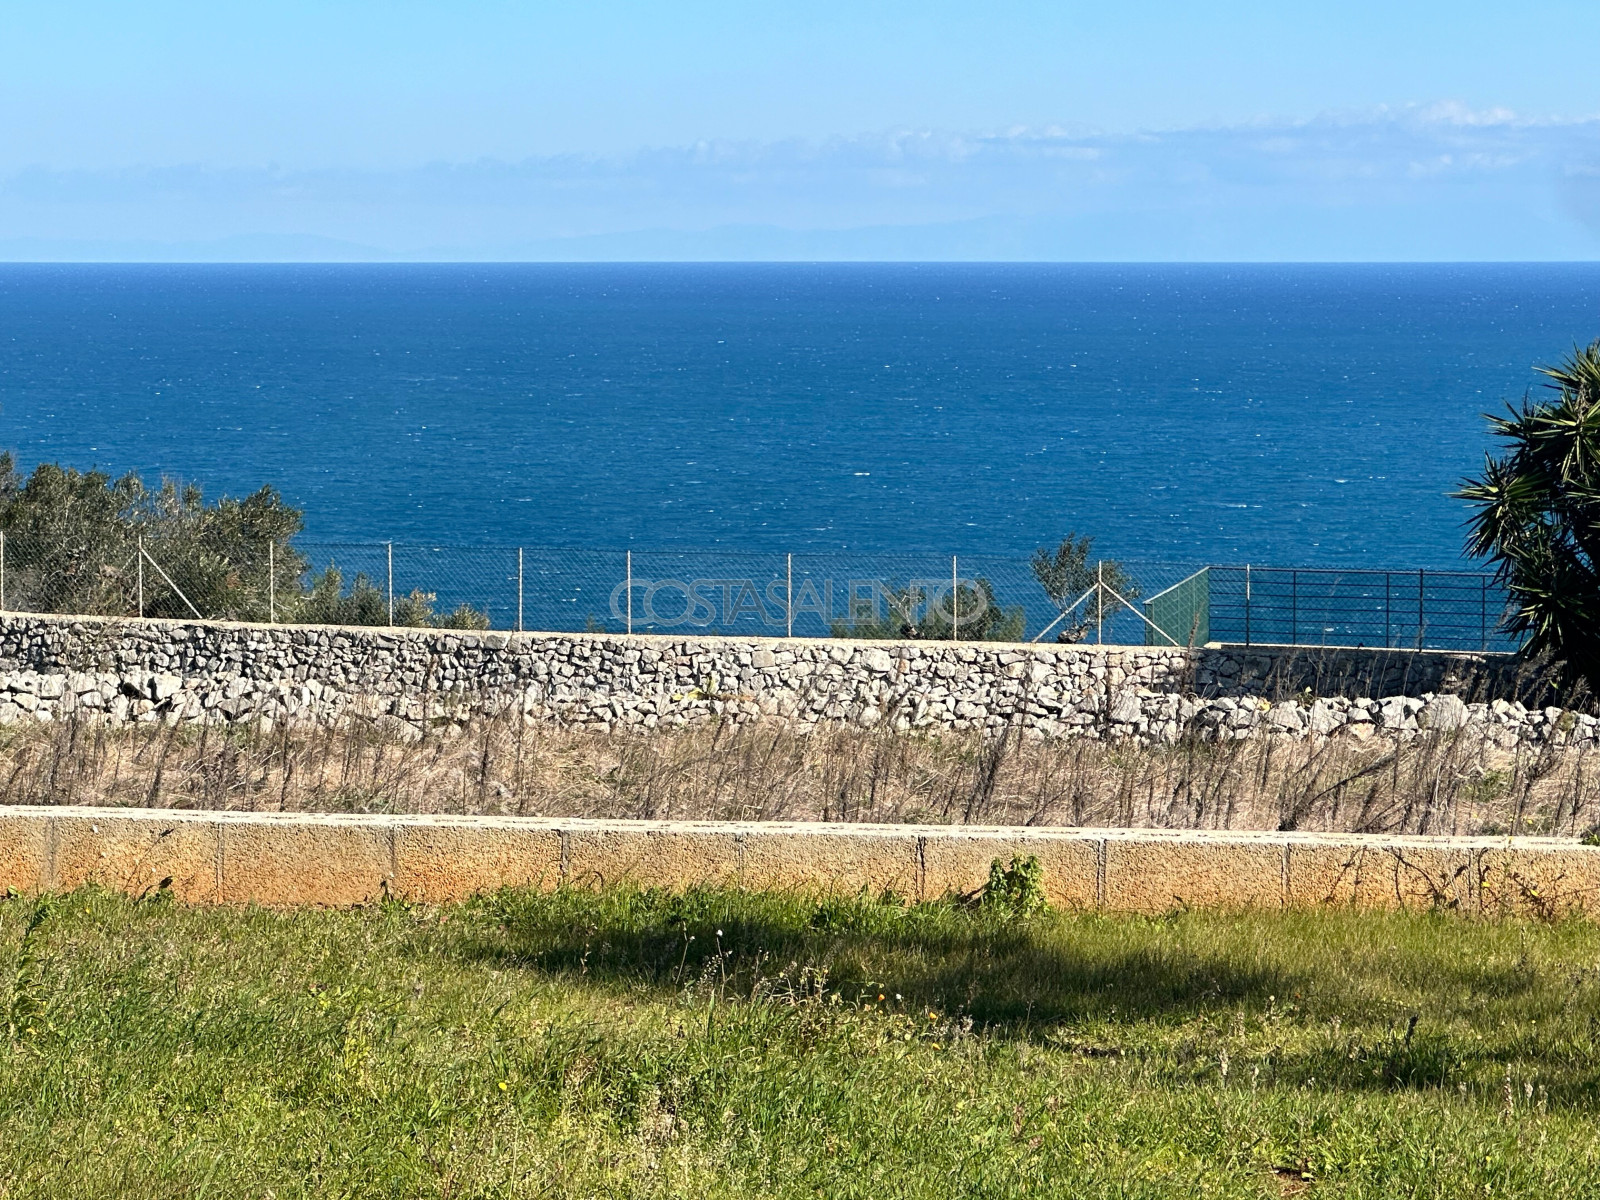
[720, 1044]
[1439, 782]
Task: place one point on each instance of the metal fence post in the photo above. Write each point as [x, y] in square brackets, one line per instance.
[1421, 591]
[2, 570]
[390, 546]
[788, 597]
[630, 591]
[519, 589]
[272, 586]
[1294, 607]
[1483, 597]
[165, 578]
[955, 602]
[1388, 636]
[1247, 604]
[1100, 604]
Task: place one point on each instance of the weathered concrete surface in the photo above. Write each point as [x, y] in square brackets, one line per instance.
[134, 855]
[315, 859]
[1395, 873]
[274, 859]
[831, 858]
[1159, 874]
[439, 862]
[687, 854]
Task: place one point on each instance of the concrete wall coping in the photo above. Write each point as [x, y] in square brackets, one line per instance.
[335, 859]
[508, 638]
[828, 829]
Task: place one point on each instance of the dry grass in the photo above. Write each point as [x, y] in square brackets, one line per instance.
[1450, 783]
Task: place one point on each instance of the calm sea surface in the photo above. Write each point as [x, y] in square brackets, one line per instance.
[1289, 414]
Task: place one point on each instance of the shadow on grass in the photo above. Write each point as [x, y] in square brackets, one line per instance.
[1005, 974]
[1171, 992]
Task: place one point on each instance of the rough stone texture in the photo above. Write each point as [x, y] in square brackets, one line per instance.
[275, 859]
[652, 857]
[836, 859]
[404, 681]
[317, 860]
[1394, 873]
[136, 856]
[25, 852]
[1549, 882]
[1152, 876]
[1333, 873]
[439, 861]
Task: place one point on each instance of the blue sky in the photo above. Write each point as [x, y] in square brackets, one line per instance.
[403, 129]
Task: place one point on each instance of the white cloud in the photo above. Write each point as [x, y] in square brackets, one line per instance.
[1434, 181]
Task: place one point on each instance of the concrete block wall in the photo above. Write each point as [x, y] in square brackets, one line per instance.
[294, 859]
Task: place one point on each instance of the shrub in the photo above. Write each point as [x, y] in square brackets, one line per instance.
[1014, 891]
[326, 603]
[911, 613]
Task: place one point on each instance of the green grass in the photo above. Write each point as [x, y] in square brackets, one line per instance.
[617, 1044]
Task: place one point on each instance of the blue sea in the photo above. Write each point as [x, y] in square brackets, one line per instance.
[1314, 414]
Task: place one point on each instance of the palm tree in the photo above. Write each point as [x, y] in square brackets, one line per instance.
[1538, 515]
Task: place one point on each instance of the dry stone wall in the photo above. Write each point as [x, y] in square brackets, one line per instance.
[117, 671]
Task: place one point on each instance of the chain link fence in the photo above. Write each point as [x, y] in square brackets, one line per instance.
[970, 597]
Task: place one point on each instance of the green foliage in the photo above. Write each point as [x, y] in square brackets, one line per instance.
[630, 1043]
[73, 545]
[1538, 515]
[1014, 891]
[1066, 573]
[462, 616]
[327, 603]
[27, 1001]
[914, 613]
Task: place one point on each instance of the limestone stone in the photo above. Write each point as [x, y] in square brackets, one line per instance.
[56, 667]
[1324, 718]
[1444, 712]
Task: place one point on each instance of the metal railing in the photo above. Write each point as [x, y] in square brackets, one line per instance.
[1319, 606]
[985, 597]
